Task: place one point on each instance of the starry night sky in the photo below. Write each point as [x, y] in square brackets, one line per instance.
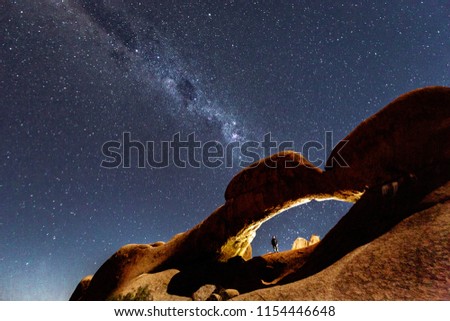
[76, 74]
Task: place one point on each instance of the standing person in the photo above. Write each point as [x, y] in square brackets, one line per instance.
[274, 244]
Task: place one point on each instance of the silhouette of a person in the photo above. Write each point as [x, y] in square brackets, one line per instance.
[274, 244]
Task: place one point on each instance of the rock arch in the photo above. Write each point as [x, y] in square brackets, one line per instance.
[408, 134]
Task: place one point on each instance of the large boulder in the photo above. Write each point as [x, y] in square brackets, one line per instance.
[300, 243]
[314, 239]
[204, 292]
[410, 133]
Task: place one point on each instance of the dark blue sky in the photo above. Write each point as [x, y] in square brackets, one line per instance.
[75, 74]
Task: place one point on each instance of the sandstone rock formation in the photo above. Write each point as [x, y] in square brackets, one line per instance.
[81, 288]
[406, 141]
[314, 239]
[396, 265]
[408, 134]
[148, 287]
[301, 243]
[206, 280]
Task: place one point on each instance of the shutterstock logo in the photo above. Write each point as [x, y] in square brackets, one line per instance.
[187, 151]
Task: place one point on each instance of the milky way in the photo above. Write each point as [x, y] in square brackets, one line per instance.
[75, 74]
[149, 57]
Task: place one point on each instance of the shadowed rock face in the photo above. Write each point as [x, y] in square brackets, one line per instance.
[406, 137]
[374, 215]
[408, 134]
[376, 260]
[81, 288]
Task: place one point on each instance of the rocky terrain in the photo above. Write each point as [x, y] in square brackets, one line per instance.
[393, 244]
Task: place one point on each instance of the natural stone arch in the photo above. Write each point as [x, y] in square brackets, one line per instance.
[378, 151]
